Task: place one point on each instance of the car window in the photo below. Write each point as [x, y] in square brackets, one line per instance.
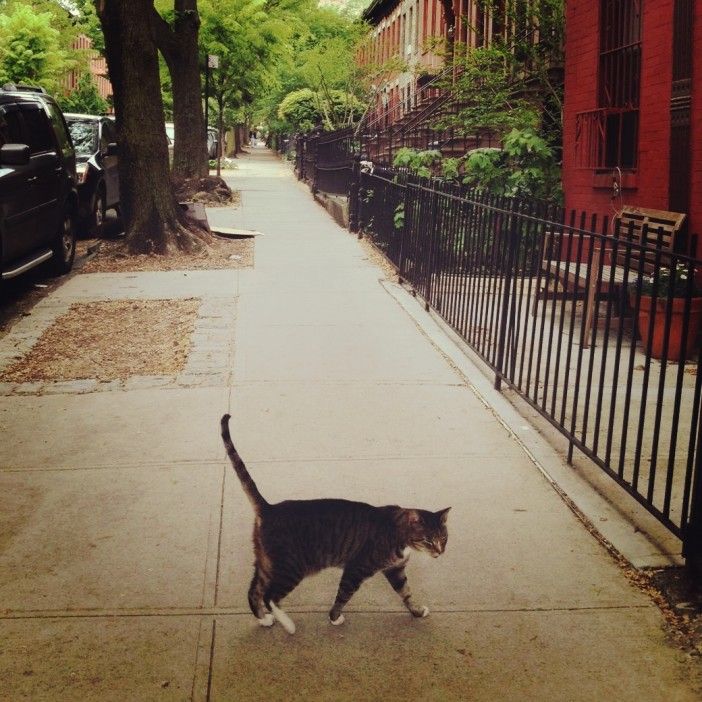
[40, 136]
[108, 132]
[84, 134]
[60, 129]
[103, 139]
[10, 128]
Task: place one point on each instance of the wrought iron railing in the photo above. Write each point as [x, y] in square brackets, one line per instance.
[580, 322]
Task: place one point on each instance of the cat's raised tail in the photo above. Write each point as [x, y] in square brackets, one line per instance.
[246, 480]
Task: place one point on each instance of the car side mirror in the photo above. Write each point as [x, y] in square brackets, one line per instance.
[14, 155]
[112, 149]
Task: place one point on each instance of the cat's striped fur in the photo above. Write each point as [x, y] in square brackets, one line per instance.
[296, 538]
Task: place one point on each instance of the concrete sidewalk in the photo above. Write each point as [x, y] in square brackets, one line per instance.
[125, 549]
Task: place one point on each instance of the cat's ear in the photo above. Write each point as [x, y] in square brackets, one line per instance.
[412, 517]
[442, 514]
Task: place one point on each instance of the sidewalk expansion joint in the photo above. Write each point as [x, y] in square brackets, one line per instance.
[245, 612]
[203, 463]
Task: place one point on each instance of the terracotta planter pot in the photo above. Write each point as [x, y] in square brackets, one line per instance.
[675, 352]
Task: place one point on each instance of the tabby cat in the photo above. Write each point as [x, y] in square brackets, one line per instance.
[296, 538]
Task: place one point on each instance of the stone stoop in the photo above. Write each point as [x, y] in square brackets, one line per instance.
[336, 205]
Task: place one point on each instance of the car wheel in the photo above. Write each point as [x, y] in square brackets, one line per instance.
[64, 247]
[97, 218]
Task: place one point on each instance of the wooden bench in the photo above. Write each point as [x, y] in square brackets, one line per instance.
[602, 272]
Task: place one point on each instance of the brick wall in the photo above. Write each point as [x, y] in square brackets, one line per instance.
[654, 124]
[650, 185]
[581, 60]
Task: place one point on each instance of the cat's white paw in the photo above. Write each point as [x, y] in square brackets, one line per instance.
[267, 620]
[425, 611]
[282, 617]
[338, 621]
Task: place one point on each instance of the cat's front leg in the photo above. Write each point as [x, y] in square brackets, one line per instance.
[351, 580]
[398, 579]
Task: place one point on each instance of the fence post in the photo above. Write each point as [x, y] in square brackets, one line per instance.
[692, 536]
[300, 156]
[407, 204]
[390, 138]
[512, 243]
[354, 194]
[315, 155]
[432, 225]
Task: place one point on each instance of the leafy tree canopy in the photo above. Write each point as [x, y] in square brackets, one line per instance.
[36, 40]
[303, 110]
[31, 50]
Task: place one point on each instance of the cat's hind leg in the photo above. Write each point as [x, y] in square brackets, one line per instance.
[256, 603]
[351, 580]
[398, 579]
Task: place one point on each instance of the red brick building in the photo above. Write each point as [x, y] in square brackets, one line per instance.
[96, 64]
[633, 106]
[404, 29]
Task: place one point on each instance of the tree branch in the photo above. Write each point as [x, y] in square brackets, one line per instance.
[164, 37]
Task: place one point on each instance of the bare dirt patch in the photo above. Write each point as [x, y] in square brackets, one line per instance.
[111, 257]
[111, 340]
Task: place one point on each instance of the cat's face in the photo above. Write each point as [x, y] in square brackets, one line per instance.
[429, 532]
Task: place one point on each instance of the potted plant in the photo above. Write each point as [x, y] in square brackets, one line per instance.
[670, 283]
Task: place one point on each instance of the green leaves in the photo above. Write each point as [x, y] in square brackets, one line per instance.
[85, 98]
[525, 166]
[423, 163]
[398, 217]
[303, 110]
[524, 143]
[31, 50]
[317, 53]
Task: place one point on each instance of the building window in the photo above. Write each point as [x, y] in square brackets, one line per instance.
[620, 78]
[607, 137]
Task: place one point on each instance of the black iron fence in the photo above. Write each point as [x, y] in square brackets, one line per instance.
[590, 326]
[326, 160]
[590, 321]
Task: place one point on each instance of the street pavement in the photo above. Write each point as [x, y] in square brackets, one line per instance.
[125, 538]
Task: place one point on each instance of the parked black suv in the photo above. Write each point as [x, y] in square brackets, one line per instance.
[97, 166]
[38, 197]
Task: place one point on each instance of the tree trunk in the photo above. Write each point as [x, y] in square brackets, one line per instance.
[220, 137]
[231, 143]
[152, 218]
[179, 47]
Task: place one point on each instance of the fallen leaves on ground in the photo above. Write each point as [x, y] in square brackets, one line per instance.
[111, 340]
[375, 256]
[112, 257]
